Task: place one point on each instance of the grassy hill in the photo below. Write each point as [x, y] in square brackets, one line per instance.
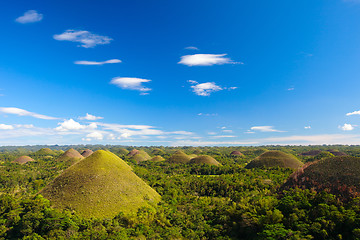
[140, 156]
[204, 159]
[236, 153]
[23, 160]
[101, 185]
[45, 151]
[86, 153]
[157, 159]
[337, 175]
[275, 159]
[179, 157]
[70, 156]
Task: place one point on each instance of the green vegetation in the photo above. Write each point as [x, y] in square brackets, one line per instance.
[101, 185]
[204, 159]
[198, 201]
[179, 157]
[157, 159]
[275, 159]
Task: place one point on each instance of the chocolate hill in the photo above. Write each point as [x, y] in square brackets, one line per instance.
[101, 185]
[140, 156]
[45, 151]
[157, 159]
[70, 156]
[179, 157]
[86, 153]
[336, 175]
[23, 160]
[236, 153]
[275, 159]
[204, 159]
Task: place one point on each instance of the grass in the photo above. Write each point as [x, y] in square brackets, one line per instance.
[204, 159]
[23, 159]
[275, 159]
[45, 151]
[140, 156]
[101, 185]
[157, 159]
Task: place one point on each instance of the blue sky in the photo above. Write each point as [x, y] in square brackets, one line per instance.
[179, 72]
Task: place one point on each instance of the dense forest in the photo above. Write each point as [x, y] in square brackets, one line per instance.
[198, 201]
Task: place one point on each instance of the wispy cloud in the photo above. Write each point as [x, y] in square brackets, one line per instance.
[291, 89]
[204, 89]
[94, 136]
[22, 112]
[86, 38]
[6, 127]
[191, 48]
[97, 63]
[347, 127]
[205, 60]
[90, 117]
[131, 83]
[307, 127]
[265, 129]
[69, 125]
[30, 16]
[207, 114]
[353, 113]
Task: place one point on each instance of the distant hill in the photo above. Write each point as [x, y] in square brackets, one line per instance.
[45, 151]
[157, 159]
[140, 156]
[71, 156]
[275, 159]
[101, 185]
[311, 153]
[236, 153]
[133, 152]
[23, 160]
[179, 157]
[204, 159]
[336, 175]
[86, 153]
[158, 151]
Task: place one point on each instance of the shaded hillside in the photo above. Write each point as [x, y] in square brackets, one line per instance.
[101, 185]
[204, 159]
[337, 175]
[275, 159]
[86, 153]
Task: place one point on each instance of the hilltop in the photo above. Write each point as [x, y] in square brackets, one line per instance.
[70, 156]
[236, 153]
[336, 175]
[86, 153]
[275, 159]
[23, 160]
[101, 185]
[179, 157]
[204, 159]
[140, 156]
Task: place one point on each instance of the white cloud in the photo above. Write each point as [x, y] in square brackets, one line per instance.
[265, 129]
[24, 126]
[227, 131]
[291, 89]
[97, 63]
[90, 117]
[347, 127]
[131, 83]
[205, 60]
[307, 127]
[224, 136]
[22, 112]
[86, 38]
[207, 114]
[73, 125]
[30, 17]
[191, 48]
[95, 136]
[205, 89]
[353, 113]
[6, 127]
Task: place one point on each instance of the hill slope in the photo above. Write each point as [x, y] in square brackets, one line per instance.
[337, 175]
[101, 185]
[179, 157]
[275, 159]
[86, 153]
[71, 156]
[24, 159]
[204, 159]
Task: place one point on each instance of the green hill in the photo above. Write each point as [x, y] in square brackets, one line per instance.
[158, 151]
[101, 185]
[71, 156]
[236, 153]
[337, 175]
[204, 159]
[275, 159]
[23, 160]
[140, 156]
[179, 157]
[133, 152]
[45, 151]
[157, 159]
[86, 153]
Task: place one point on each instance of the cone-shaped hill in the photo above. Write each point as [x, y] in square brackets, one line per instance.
[157, 159]
[311, 153]
[45, 151]
[337, 175]
[101, 185]
[158, 151]
[336, 153]
[86, 153]
[179, 157]
[133, 152]
[204, 159]
[123, 151]
[71, 156]
[23, 160]
[236, 154]
[275, 159]
[140, 156]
